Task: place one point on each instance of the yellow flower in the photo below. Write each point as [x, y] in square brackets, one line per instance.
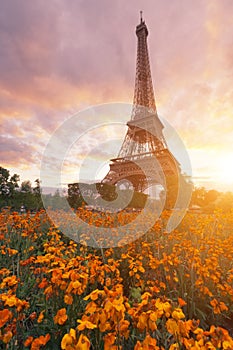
[11, 301]
[227, 345]
[172, 326]
[118, 304]
[76, 285]
[177, 347]
[10, 281]
[164, 306]
[178, 314]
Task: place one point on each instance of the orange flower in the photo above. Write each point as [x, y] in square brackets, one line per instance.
[12, 300]
[227, 344]
[118, 304]
[68, 299]
[83, 343]
[7, 337]
[148, 343]
[218, 306]
[223, 306]
[68, 339]
[181, 302]
[123, 328]
[152, 320]
[60, 317]
[41, 341]
[138, 346]
[176, 346]
[85, 324]
[142, 322]
[95, 295]
[41, 316]
[43, 283]
[10, 281]
[21, 304]
[109, 340]
[33, 316]
[91, 307]
[103, 317]
[5, 315]
[76, 285]
[28, 341]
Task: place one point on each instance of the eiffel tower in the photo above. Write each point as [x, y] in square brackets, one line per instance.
[144, 158]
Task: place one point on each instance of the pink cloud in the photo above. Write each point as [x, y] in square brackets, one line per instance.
[60, 57]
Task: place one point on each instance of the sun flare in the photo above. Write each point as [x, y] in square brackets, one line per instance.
[225, 169]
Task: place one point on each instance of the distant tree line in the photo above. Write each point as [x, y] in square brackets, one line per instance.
[210, 200]
[15, 196]
[91, 194]
[28, 196]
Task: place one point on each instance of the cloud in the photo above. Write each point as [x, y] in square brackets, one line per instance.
[13, 151]
[60, 57]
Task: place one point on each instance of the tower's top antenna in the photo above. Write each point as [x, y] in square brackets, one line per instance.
[141, 16]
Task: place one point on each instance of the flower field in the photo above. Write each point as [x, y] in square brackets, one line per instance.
[163, 291]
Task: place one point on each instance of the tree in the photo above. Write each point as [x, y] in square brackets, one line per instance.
[37, 193]
[31, 197]
[211, 196]
[171, 191]
[206, 199]
[13, 183]
[4, 176]
[198, 196]
[37, 189]
[26, 187]
[8, 186]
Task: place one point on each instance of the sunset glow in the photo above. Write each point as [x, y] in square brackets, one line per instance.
[58, 60]
[225, 166]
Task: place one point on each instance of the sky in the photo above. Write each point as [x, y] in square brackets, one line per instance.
[61, 57]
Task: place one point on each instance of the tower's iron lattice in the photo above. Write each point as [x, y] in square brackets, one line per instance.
[144, 141]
